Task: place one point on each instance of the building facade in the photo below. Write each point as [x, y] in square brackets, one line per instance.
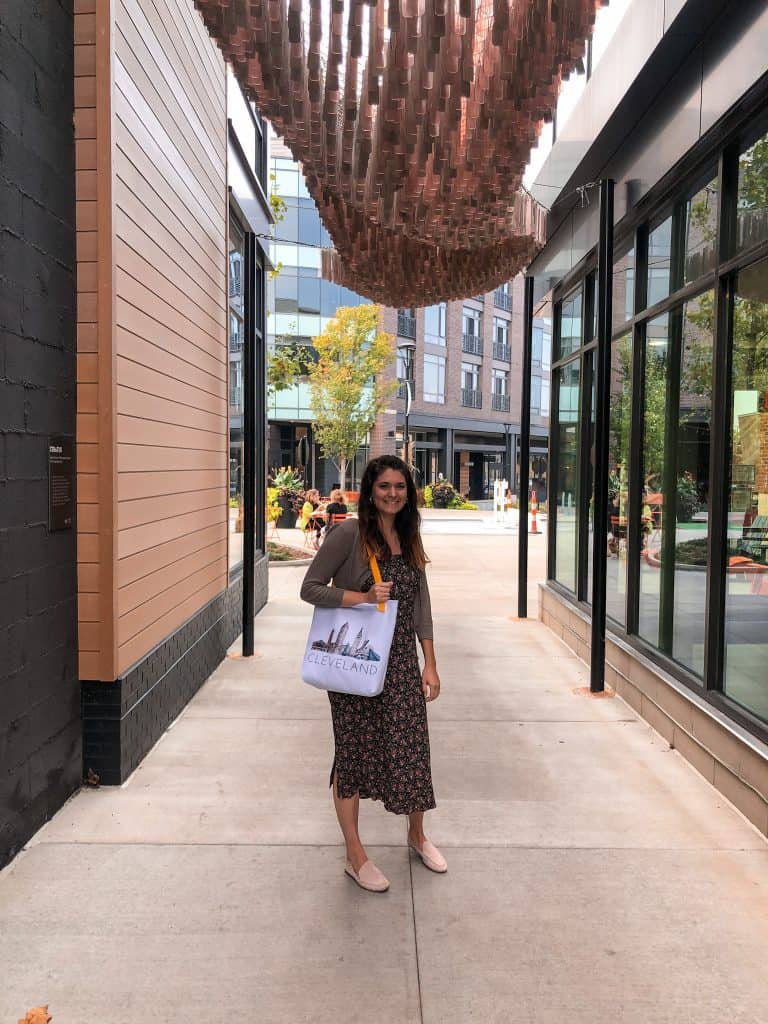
[463, 360]
[676, 114]
[129, 252]
[463, 363]
[301, 303]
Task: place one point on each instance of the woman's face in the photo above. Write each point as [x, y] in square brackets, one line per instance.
[390, 492]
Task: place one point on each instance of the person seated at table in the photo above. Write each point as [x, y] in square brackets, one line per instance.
[309, 521]
[335, 507]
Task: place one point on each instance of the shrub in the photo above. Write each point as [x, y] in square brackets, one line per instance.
[692, 552]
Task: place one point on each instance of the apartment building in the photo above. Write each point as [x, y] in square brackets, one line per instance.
[462, 360]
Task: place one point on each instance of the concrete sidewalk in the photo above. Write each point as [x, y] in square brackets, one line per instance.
[594, 876]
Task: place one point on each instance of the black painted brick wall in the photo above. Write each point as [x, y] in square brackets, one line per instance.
[40, 729]
[123, 720]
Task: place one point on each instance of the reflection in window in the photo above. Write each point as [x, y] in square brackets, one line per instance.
[309, 295]
[434, 378]
[700, 214]
[570, 324]
[286, 182]
[660, 262]
[654, 439]
[588, 485]
[286, 292]
[746, 608]
[623, 288]
[752, 211]
[691, 493]
[618, 477]
[545, 389]
[434, 324]
[567, 447]
[676, 446]
[236, 335]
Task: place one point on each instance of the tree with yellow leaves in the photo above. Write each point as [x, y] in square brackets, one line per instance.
[347, 385]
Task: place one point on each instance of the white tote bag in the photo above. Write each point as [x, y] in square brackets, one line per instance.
[348, 648]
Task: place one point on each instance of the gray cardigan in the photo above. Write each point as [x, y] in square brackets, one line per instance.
[340, 559]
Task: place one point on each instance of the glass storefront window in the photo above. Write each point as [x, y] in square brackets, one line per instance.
[567, 434]
[236, 398]
[570, 325]
[691, 495]
[674, 514]
[654, 445]
[700, 232]
[623, 288]
[746, 607]
[588, 488]
[620, 420]
[752, 202]
[660, 262]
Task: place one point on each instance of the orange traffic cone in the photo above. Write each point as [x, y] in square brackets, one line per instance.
[534, 510]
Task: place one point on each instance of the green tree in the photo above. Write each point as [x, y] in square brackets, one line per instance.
[750, 316]
[287, 363]
[347, 388]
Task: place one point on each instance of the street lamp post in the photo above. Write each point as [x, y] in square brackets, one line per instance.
[406, 346]
[508, 454]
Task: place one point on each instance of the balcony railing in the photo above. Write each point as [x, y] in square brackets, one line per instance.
[471, 399]
[472, 343]
[402, 391]
[500, 403]
[502, 299]
[502, 352]
[406, 325]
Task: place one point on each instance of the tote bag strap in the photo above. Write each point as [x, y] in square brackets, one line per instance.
[377, 577]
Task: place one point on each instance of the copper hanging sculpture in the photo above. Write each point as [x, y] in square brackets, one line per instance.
[413, 121]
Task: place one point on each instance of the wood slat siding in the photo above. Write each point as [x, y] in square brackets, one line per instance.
[88, 510]
[170, 222]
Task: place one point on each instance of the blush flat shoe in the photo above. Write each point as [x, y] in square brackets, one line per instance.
[368, 877]
[431, 857]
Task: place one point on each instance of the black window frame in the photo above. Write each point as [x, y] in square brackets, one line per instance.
[747, 123]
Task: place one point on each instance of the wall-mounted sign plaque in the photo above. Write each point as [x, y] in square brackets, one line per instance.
[61, 489]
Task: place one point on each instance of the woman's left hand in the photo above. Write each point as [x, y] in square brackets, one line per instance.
[430, 683]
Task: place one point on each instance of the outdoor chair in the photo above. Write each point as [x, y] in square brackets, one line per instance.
[754, 539]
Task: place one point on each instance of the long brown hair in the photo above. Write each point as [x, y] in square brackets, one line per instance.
[407, 520]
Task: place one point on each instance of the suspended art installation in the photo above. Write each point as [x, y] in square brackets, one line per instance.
[413, 121]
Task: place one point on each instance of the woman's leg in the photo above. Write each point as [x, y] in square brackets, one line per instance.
[416, 828]
[348, 813]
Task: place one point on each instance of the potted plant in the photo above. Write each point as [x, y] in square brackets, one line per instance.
[290, 495]
[443, 493]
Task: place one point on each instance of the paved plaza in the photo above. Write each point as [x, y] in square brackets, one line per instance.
[594, 876]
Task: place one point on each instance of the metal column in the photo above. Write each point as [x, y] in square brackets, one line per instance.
[602, 425]
[525, 452]
[249, 442]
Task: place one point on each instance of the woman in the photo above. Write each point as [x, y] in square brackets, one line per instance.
[382, 743]
[308, 520]
[335, 507]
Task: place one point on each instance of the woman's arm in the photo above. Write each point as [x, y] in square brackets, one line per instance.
[335, 551]
[430, 680]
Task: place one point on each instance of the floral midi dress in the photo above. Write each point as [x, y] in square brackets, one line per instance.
[382, 743]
